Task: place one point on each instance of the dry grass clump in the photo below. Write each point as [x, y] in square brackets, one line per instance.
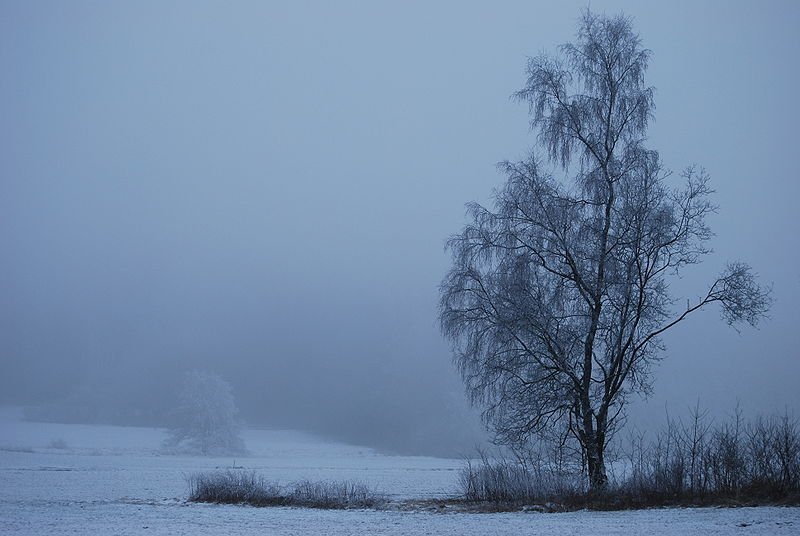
[246, 487]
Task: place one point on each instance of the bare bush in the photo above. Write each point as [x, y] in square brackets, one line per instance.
[688, 462]
[726, 457]
[247, 487]
[530, 479]
[701, 462]
[234, 487]
[333, 495]
[773, 450]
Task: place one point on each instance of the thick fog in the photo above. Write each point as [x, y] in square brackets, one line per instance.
[263, 190]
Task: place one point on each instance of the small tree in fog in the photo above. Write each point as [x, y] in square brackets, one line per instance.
[206, 417]
[558, 295]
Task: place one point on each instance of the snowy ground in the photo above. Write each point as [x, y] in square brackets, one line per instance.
[77, 479]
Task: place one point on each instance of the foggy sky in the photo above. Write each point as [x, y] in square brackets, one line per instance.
[264, 190]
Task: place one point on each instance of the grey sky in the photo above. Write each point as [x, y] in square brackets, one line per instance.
[264, 189]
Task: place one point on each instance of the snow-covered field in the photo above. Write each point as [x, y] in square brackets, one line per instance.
[80, 479]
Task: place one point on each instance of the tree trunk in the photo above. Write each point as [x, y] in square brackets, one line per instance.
[595, 458]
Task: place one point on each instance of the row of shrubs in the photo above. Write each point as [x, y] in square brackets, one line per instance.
[691, 462]
[236, 486]
[699, 461]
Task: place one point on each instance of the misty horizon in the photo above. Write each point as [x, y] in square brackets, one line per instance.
[264, 191]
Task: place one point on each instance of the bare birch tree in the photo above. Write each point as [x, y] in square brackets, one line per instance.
[557, 297]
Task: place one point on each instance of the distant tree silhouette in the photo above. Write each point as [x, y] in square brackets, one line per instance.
[206, 418]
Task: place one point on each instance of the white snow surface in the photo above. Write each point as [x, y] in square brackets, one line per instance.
[87, 479]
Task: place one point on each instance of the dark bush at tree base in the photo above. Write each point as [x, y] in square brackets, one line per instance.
[684, 464]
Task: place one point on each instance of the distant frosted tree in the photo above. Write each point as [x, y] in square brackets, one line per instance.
[206, 417]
